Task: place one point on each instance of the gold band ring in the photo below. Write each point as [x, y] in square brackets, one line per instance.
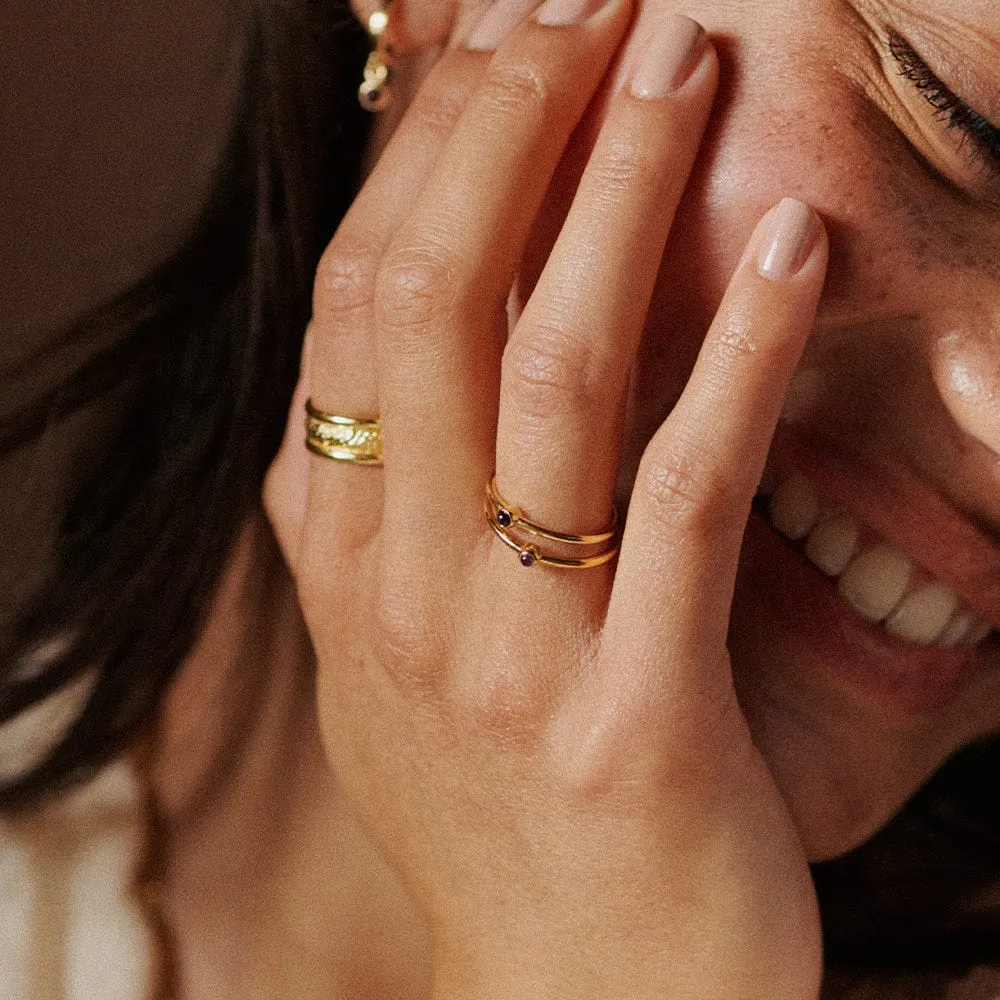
[504, 519]
[509, 516]
[344, 439]
[530, 555]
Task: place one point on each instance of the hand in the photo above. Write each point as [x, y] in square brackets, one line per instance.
[554, 761]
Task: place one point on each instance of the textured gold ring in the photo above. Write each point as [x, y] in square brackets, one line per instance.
[344, 439]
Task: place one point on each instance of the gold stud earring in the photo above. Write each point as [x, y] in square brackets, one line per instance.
[374, 92]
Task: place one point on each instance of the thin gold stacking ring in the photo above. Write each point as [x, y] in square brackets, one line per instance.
[509, 516]
[344, 439]
[505, 519]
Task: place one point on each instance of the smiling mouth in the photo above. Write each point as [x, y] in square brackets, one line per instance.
[879, 581]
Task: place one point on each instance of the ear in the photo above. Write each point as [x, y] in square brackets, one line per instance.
[417, 32]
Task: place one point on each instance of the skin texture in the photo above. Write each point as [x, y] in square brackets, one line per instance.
[578, 777]
[808, 108]
[911, 297]
[822, 117]
[912, 293]
[404, 295]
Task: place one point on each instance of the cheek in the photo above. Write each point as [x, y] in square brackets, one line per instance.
[900, 242]
[965, 364]
[820, 154]
[755, 156]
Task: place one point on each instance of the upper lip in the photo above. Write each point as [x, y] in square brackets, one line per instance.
[904, 509]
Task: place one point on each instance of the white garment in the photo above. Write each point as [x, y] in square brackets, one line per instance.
[70, 927]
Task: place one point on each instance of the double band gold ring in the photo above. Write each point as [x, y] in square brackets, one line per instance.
[509, 522]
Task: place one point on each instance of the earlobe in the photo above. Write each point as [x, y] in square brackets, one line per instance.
[406, 37]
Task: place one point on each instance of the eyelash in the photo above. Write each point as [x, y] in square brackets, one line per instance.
[980, 140]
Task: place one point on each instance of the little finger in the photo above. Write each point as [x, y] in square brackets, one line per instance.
[342, 369]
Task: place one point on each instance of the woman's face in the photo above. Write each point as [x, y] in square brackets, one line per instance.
[859, 108]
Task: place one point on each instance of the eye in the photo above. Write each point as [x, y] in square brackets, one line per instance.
[977, 139]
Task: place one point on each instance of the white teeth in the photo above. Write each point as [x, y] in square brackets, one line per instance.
[980, 630]
[795, 508]
[879, 581]
[957, 629]
[966, 628]
[874, 583]
[833, 543]
[923, 614]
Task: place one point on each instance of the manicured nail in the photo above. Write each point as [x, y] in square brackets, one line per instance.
[672, 48]
[788, 240]
[500, 19]
[560, 12]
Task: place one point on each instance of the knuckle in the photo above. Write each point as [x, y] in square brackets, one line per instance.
[607, 772]
[437, 111]
[735, 346]
[345, 281]
[553, 373]
[415, 286]
[625, 167]
[683, 493]
[507, 709]
[514, 88]
[622, 164]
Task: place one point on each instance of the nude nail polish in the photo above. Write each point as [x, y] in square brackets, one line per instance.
[500, 19]
[672, 48]
[560, 12]
[788, 240]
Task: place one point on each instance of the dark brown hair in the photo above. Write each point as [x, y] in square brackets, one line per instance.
[206, 354]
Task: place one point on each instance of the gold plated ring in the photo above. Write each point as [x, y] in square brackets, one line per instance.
[509, 516]
[505, 520]
[344, 439]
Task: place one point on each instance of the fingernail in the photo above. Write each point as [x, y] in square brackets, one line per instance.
[559, 12]
[788, 240]
[669, 50]
[500, 19]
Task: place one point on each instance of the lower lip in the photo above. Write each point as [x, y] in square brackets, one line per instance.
[817, 627]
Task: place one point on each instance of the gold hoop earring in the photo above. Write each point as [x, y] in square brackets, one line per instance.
[374, 93]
